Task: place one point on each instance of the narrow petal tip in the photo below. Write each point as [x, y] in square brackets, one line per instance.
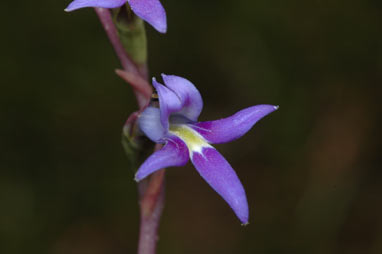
[161, 29]
[243, 216]
[235, 126]
[276, 107]
[245, 224]
[219, 174]
[70, 8]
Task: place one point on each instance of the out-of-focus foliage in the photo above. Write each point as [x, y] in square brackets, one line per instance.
[311, 170]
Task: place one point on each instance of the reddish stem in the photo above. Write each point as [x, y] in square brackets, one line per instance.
[151, 203]
[151, 192]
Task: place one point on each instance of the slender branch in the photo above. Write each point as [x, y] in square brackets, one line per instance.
[140, 86]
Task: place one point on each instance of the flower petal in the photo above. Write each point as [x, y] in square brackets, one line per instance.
[174, 153]
[149, 122]
[219, 174]
[168, 103]
[233, 127]
[77, 4]
[152, 12]
[190, 97]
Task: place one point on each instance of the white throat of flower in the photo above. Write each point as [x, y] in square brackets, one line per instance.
[194, 141]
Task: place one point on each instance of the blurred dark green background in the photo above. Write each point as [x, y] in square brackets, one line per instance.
[312, 170]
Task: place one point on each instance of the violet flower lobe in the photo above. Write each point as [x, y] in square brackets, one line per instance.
[175, 125]
[150, 11]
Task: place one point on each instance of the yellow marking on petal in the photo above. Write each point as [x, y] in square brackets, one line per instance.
[194, 141]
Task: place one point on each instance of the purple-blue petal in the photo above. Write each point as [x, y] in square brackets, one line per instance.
[192, 103]
[77, 4]
[233, 127]
[174, 153]
[168, 103]
[219, 174]
[149, 122]
[152, 12]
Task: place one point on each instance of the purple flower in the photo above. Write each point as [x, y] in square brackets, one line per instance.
[151, 11]
[175, 125]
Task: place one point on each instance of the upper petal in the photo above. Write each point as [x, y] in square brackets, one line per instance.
[233, 127]
[219, 174]
[168, 103]
[192, 103]
[149, 122]
[77, 4]
[152, 12]
[174, 153]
